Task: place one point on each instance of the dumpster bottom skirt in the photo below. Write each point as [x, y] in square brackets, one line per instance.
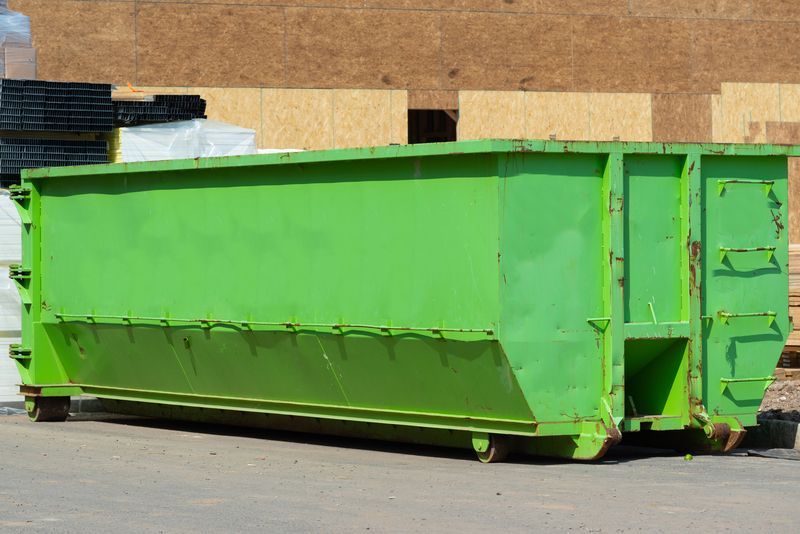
[587, 446]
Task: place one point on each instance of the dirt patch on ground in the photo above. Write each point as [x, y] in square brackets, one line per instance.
[782, 401]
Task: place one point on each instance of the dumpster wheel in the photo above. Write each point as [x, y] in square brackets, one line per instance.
[47, 409]
[496, 450]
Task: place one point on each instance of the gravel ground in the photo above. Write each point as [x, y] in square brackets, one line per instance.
[782, 401]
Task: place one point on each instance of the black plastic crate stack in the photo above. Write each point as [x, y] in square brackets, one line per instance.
[162, 108]
[45, 124]
[39, 106]
[18, 154]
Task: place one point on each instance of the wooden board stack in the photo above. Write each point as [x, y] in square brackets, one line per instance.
[791, 352]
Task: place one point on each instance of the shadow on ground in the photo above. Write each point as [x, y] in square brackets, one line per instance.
[616, 455]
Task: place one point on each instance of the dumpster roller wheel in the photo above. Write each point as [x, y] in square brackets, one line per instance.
[491, 448]
[47, 409]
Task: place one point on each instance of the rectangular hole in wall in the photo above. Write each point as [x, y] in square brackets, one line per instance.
[431, 125]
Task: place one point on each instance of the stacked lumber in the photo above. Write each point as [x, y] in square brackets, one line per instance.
[791, 352]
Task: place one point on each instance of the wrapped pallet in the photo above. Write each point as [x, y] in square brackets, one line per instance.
[198, 138]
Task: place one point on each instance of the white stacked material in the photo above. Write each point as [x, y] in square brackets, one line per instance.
[17, 55]
[10, 311]
[198, 138]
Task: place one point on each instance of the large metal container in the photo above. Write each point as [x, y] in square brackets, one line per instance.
[535, 295]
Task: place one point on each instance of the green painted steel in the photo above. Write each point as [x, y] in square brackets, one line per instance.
[544, 294]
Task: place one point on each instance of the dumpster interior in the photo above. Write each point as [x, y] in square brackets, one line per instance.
[655, 377]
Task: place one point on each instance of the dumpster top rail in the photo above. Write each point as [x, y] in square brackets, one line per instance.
[419, 150]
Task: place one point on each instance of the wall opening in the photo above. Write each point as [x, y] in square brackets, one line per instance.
[431, 125]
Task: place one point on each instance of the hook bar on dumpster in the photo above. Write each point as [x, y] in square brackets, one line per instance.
[724, 316]
[293, 326]
[766, 184]
[724, 251]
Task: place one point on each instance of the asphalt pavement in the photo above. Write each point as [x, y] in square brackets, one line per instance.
[101, 473]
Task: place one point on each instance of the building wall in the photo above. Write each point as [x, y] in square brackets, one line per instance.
[339, 73]
[639, 46]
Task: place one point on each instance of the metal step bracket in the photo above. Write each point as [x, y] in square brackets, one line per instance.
[724, 251]
[765, 184]
[725, 317]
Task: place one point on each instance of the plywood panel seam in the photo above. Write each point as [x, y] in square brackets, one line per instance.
[285, 48]
[333, 118]
[135, 42]
[434, 89]
[572, 54]
[442, 81]
[630, 13]
[260, 137]
[391, 115]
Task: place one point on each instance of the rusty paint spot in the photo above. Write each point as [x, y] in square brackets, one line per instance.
[776, 219]
[691, 167]
[694, 284]
[621, 260]
[695, 249]
[734, 440]
[621, 281]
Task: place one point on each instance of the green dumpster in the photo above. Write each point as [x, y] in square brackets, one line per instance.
[546, 297]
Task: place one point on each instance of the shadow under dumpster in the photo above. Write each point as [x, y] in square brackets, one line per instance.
[616, 455]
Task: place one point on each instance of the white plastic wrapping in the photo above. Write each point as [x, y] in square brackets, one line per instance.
[15, 28]
[17, 55]
[198, 138]
[10, 307]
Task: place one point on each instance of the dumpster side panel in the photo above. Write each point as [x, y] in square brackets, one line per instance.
[322, 244]
[552, 271]
[326, 289]
[745, 280]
